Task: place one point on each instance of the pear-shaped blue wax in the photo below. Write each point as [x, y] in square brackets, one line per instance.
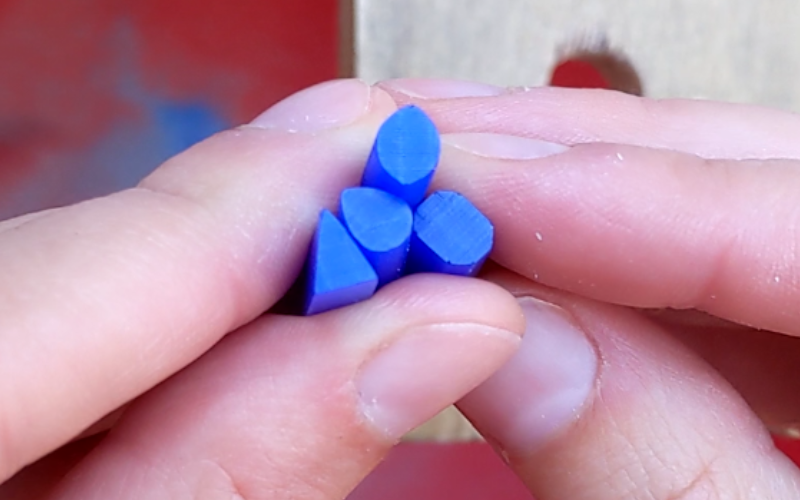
[450, 236]
[338, 273]
[404, 156]
[380, 223]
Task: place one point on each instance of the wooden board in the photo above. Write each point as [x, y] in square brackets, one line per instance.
[734, 50]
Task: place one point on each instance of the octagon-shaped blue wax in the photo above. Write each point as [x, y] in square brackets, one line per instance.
[404, 155]
[450, 236]
[338, 273]
[380, 223]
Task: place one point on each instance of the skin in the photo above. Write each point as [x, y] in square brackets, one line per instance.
[153, 300]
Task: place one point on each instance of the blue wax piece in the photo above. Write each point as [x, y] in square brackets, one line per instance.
[381, 225]
[338, 273]
[450, 236]
[404, 156]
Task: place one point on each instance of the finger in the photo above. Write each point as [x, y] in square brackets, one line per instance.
[103, 424]
[36, 481]
[640, 227]
[102, 300]
[763, 367]
[303, 408]
[601, 404]
[574, 116]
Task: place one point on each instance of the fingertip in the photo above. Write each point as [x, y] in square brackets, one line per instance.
[324, 106]
[407, 89]
[556, 369]
[448, 299]
[622, 409]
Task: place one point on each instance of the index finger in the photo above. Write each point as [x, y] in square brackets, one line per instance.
[577, 116]
[638, 226]
[102, 300]
[649, 207]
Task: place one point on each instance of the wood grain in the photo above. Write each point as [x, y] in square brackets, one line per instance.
[734, 50]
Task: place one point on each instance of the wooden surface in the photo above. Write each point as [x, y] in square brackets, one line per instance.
[735, 50]
[446, 427]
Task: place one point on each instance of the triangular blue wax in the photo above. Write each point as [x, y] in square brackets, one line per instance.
[338, 273]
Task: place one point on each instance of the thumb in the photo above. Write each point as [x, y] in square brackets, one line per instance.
[601, 404]
[304, 407]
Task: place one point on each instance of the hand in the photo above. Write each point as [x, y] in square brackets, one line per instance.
[250, 418]
[102, 303]
[653, 204]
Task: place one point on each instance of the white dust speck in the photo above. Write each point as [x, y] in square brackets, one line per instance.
[536, 276]
[521, 89]
[619, 157]
[777, 279]
[539, 236]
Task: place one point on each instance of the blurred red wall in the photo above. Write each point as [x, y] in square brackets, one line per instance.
[95, 93]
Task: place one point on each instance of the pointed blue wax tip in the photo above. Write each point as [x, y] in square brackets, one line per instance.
[338, 273]
[404, 156]
[450, 236]
[381, 225]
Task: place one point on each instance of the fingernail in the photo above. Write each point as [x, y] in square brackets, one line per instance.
[323, 106]
[441, 89]
[543, 388]
[509, 147]
[423, 372]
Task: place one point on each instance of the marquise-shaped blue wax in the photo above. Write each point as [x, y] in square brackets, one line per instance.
[404, 156]
[381, 225]
[338, 273]
[450, 236]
